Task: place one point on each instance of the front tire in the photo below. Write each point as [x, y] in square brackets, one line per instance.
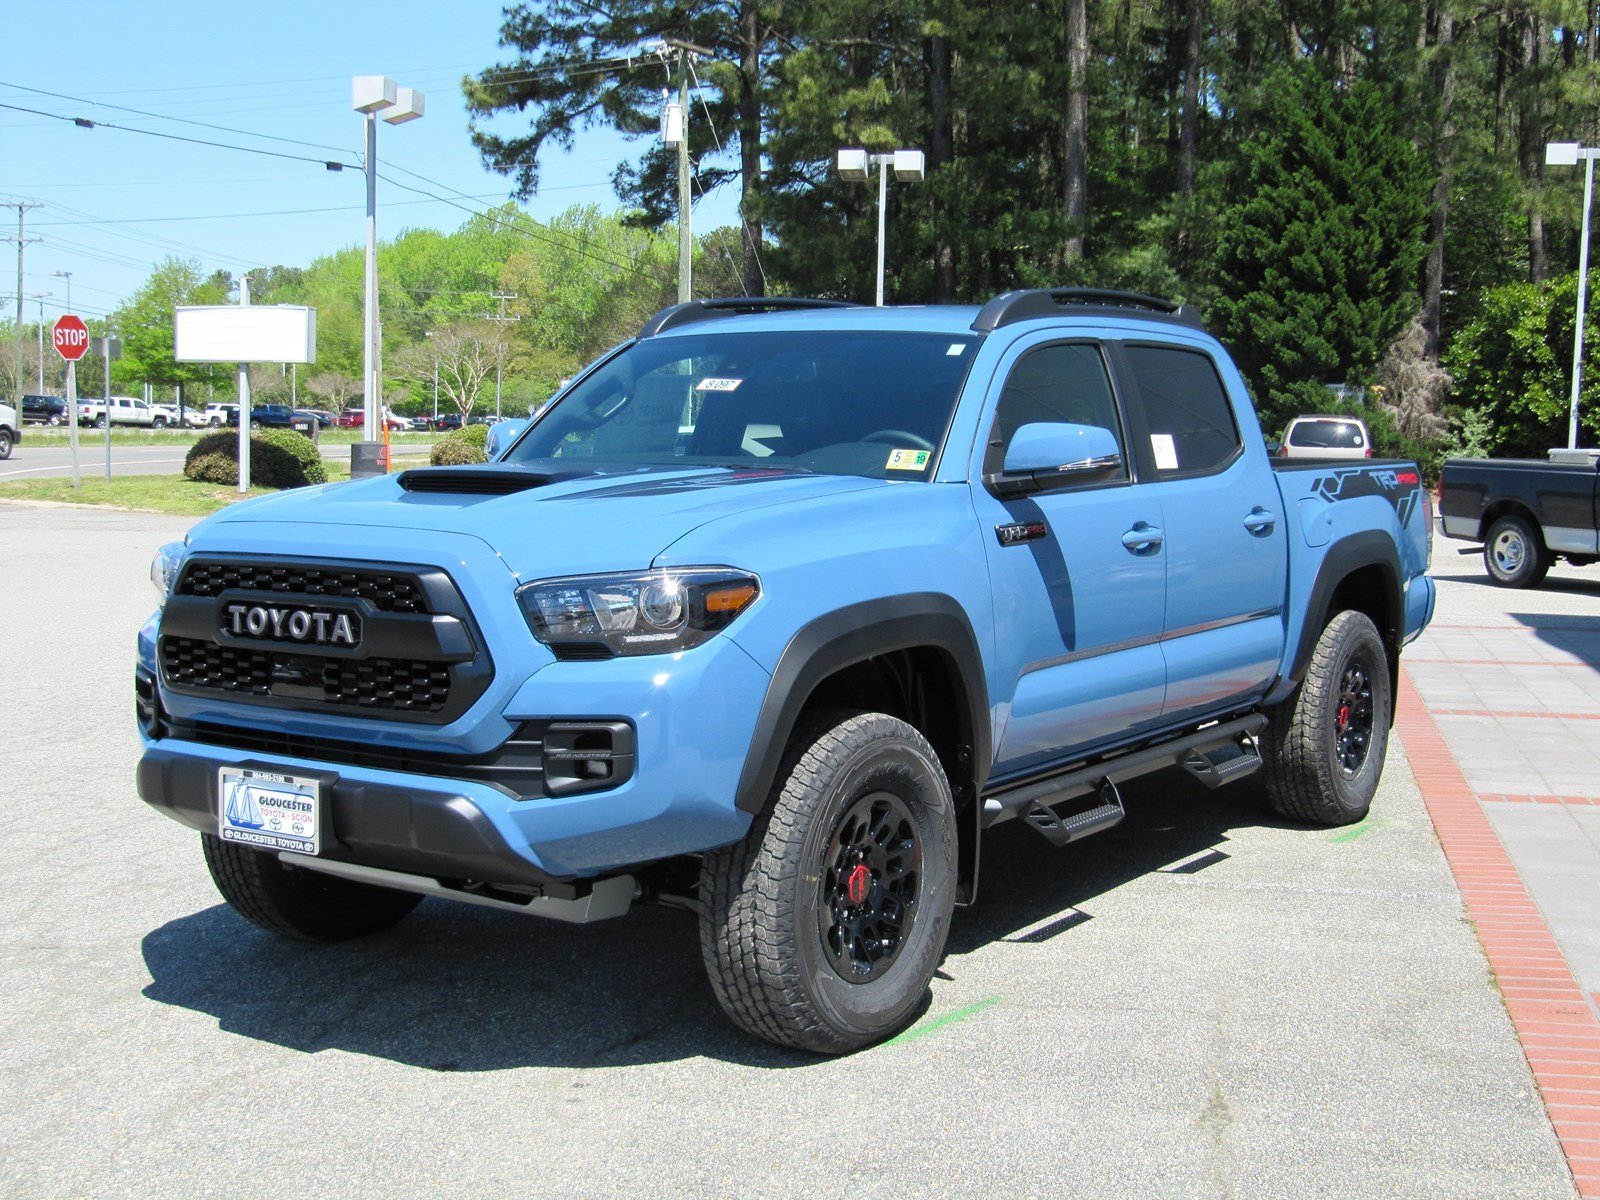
[297, 903]
[1514, 554]
[822, 928]
[1324, 747]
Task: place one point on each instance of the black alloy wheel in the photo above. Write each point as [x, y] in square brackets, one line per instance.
[870, 887]
[1353, 717]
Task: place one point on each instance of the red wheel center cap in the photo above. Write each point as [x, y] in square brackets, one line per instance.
[1344, 716]
[857, 884]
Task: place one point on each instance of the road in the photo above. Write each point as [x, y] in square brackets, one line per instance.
[1204, 1002]
[53, 462]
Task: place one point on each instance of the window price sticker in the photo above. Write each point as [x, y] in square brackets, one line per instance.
[718, 385]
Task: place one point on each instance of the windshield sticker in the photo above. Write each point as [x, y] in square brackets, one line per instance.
[955, 349]
[908, 460]
[717, 385]
[1165, 451]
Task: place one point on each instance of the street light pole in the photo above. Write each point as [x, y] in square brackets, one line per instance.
[429, 335]
[40, 297]
[369, 96]
[855, 166]
[1567, 154]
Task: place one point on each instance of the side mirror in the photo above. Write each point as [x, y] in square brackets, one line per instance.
[502, 434]
[1050, 454]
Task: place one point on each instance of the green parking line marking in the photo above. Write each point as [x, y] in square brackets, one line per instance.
[938, 1023]
[1355, 831]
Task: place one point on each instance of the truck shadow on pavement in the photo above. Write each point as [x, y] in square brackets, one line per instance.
[1570, 633]
[1559, 584]
[457, 988]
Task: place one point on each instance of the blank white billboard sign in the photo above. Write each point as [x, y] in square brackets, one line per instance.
[252, 333]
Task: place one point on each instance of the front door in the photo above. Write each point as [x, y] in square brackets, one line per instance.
[1078, 590]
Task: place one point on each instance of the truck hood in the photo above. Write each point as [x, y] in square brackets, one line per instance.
[547, 517]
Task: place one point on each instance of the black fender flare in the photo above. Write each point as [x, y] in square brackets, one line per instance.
[1369, 548]
[853, 634]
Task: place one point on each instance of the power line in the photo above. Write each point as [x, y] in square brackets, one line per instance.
[271, 137]
[85, 123]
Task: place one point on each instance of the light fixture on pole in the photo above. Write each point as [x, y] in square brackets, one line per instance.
[1567, 154]
[855, 166]
[372, 95]
[67, 275]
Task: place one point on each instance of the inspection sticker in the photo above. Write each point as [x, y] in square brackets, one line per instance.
[717, 385]
[908, 460]
[1165, 451]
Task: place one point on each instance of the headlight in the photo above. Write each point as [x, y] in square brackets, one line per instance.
[642, 612]
[164, 568]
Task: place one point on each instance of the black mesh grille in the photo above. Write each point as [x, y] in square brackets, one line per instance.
[392, 684]
[386, 592]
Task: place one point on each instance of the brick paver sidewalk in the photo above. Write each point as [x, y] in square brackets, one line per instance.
[1500, 717]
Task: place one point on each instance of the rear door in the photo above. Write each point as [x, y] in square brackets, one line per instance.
[1226, 552]
[1078, 591]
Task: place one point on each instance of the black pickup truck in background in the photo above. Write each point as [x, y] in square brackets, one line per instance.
[1527, 513]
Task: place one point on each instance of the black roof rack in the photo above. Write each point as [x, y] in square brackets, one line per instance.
[1010, 307]
[730, 306]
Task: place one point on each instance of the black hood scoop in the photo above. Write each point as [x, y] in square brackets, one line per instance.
[481, 481]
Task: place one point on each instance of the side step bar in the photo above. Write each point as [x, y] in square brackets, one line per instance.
[1218, 752]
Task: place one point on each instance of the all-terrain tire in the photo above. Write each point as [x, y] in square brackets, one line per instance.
[1514, 553]
[783, 908]
[1316, 767]
[297, 903]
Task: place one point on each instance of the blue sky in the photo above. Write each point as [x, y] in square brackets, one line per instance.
[281, 69]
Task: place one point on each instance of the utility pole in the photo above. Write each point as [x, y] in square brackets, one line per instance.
[40, 297]
[22, 207]
[685, 232]
[500, 347]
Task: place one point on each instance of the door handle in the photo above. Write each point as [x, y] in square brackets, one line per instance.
[1143, 539]
[1260, 522]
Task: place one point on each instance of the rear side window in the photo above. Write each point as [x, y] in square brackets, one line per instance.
[1327, 435]
[1187, 414]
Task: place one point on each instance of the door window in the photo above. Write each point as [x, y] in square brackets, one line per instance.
[1187, 414]
[1060, 383]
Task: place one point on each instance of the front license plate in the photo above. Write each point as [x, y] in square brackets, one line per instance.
[275, 812]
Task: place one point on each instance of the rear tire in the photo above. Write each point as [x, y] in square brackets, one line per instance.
[297, 903]
[1324, 747]
[1514, 554]
[5, 444]
[822, 928]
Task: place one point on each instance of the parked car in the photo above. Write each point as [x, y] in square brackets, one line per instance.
[1527, 513]
[448, 422]
[421, 424]
[911, 574]
[218, 415]
[324, 418]
[352, 418]
[1326, 437]
[163, 415]
[10, 430]
[124, 410]
[43, 410]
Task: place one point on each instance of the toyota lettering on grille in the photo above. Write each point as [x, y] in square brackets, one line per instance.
[287, 623]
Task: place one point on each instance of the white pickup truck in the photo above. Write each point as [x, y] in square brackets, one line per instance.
[163, 415]
[125, 410]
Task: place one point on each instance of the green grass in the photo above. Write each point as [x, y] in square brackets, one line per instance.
[171, 494]
[36, 435]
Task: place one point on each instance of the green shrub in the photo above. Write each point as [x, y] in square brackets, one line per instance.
[465, 445]
[279, 458]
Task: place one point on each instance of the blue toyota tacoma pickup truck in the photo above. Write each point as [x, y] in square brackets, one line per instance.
[769, 616]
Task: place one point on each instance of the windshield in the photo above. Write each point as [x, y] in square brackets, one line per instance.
[839, 402]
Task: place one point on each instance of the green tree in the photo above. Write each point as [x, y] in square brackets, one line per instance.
[1318, 258]
[145, 324]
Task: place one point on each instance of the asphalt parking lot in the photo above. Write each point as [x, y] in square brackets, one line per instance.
[1204, 1002]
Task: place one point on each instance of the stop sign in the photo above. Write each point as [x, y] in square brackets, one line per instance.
[71, 338]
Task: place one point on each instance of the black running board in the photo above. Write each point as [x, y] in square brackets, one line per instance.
[1222, 742]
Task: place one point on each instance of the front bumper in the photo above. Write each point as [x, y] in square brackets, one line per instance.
[692, 717]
